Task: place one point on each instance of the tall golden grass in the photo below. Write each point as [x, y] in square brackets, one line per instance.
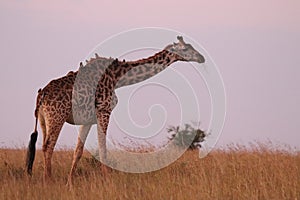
[235, 173]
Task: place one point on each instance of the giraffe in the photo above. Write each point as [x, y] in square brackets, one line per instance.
[87, 97]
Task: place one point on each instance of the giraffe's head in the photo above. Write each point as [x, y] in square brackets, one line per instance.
[185, 52]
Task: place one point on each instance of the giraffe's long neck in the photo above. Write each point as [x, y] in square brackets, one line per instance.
[140, 70]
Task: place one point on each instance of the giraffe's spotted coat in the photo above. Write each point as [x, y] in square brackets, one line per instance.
[87, 96]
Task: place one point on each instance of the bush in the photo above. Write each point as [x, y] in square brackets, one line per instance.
[188, 136]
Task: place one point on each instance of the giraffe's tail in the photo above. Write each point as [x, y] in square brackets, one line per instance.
[33, 137]
[31, 152]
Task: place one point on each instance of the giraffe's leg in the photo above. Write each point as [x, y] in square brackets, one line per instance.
[102, 124]
[53, 130]
[114, 101]
[43, 127]
[83, 133]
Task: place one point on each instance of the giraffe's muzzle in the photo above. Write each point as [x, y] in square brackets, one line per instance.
[200, 58]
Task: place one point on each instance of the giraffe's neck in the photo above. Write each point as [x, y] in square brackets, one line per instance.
[127, 73]
[136, 71]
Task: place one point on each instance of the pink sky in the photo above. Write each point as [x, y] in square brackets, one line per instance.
[255, 45]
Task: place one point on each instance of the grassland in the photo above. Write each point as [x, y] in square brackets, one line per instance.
[236, 173]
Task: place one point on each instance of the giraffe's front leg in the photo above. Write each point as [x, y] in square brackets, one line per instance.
[114, 100]
[102, 124]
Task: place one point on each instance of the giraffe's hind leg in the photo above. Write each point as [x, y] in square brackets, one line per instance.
[83, 133]
[53, 129]
[43, 127]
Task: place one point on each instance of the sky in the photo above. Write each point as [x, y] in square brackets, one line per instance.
[254, 44]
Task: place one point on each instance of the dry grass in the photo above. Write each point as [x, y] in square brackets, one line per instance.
[233, 174]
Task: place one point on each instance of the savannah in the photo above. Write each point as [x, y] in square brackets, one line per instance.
[235, 172]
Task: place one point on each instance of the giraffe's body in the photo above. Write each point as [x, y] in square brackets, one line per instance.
[87, 97]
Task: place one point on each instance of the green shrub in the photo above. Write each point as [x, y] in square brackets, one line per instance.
[187, 137]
